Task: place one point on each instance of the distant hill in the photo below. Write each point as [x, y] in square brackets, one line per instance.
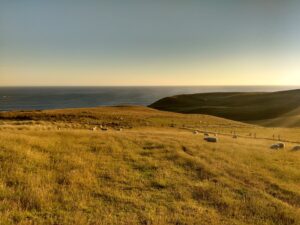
[265, 108]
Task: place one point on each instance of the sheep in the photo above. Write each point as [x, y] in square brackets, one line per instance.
[211, 139]
[195, 132]
[274, 146]
[278, 146]
[281, 145]
[94, 128]
[296, 148]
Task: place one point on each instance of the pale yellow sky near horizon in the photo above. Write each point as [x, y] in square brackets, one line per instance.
[235, 70]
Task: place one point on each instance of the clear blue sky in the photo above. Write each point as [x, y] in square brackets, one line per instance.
[154, 42]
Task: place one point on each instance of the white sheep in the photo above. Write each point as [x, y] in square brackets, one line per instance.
[211, 139]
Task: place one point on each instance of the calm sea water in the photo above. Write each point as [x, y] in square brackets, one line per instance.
[27, 98]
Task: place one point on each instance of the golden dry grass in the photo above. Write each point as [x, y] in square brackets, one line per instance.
[154, 171]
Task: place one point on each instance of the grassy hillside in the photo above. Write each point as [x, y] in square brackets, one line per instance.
[55, 170]
[249, 107]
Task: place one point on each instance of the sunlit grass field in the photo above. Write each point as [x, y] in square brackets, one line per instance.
[148, 168]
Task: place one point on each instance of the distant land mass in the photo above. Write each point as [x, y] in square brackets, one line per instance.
[41, 98]
[280, 108]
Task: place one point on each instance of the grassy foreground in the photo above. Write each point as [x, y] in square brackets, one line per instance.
[55, 170]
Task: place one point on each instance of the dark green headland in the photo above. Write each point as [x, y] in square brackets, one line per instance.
[266, 108]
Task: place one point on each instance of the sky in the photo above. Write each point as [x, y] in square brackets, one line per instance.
[149, 42]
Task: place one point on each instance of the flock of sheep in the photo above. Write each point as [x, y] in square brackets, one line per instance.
[281, 145]
[214, 139]
[276, 146]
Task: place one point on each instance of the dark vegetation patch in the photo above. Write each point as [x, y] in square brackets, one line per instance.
[236, 105]
[151, 146]
[159, 185]
[195, 167]
[212, 197]
[187, 150]
[284, 195]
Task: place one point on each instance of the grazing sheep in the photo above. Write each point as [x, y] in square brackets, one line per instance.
[195, 132]
[94, 128]
[281, 145]
[278, 146]
[211, 139]
[296, 148]
[274, 146]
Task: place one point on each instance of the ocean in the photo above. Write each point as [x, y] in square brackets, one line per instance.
[38, 98]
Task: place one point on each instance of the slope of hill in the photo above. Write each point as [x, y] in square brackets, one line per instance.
[54, 169]
[247, 107]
